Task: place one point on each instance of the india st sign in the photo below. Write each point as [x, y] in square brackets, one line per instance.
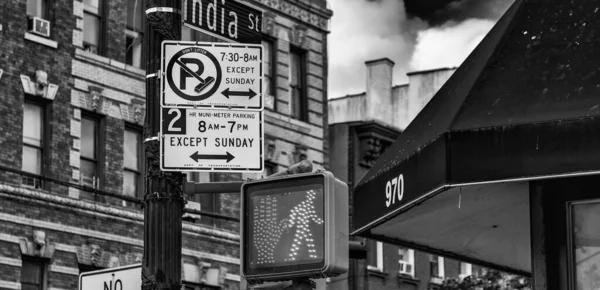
[226, 19]
[211, 75]
[211, 140]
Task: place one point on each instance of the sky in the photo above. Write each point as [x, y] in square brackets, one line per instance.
[415, 37]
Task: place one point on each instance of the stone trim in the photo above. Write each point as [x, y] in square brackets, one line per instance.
[41, 40]
[40, 87]
[127, 215]
[298, 11]
[10, 284]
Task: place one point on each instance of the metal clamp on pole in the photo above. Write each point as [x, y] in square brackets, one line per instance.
[163, 9]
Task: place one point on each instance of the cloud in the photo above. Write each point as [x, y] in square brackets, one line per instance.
[448, 45]
[366, 30]
[441, 34]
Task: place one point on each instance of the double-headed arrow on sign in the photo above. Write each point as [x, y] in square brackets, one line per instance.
[250, 93]
[226, 156]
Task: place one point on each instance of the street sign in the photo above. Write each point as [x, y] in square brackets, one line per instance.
[120, 278]
[211, 75]
[211, 140]
[226, 19]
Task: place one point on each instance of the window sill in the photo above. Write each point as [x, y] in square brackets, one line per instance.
[41, 40]
[377, 272]
[405, 278]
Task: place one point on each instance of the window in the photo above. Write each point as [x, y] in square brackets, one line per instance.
[436, 264]
[32, 274]
[584, 244]
[36, 8]
[268, 73]
[188, 34]
[298, 101]
[375, 255]
[406, 262]
[93, 26]
[90, 152]
[33, 143]
[465, 270]
[208, 202]
[134, 54]
[132, 149]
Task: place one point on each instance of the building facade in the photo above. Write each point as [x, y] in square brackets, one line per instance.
[72, 101]
[361, 127]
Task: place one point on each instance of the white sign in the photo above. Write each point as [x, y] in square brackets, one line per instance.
[121, 278]
[211, 140]
[211, 75]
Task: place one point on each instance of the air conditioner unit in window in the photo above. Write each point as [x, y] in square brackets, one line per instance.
[404, 268]
[39, 26]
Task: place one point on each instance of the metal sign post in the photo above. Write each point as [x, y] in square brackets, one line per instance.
[163, 199]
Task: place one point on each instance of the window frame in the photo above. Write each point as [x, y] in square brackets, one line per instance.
[379, 265]
[439, 261]
[303, 98]
[410, 260]
[100, 13]
[42, 263]
[98, 145]
[468, 269]
[140, 158]
[272, 42]
[132, 33]
[45, 127]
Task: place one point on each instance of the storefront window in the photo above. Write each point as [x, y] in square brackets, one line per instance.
[585, 218]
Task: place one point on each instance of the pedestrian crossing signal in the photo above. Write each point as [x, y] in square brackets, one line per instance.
[294, 226]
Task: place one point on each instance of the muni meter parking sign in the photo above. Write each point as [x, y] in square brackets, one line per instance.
[211, 75]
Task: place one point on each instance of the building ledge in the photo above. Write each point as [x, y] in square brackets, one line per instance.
[110, 63]
[41, 40]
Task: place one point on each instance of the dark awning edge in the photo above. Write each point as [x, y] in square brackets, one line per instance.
[364, 231]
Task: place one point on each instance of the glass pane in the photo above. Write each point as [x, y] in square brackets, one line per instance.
[131, 143]
[32, 160]
[35, 8]
[88, 172]
[586, 242]
[186, 33]
[130, 183]
[296, 103]
[91, 29]
[88, 138]
[32, 125]
[134, 15]
[267, 57]
[93, 3]
[295, 69]
[30, 272]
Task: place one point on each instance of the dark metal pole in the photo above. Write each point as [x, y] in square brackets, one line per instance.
[163, 199]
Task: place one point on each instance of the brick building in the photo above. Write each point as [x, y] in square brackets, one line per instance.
[72, 95]
[361, 128]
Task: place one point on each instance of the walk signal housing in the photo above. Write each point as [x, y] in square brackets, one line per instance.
[294, 226]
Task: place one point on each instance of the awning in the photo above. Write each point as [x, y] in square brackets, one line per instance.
[524, 105]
